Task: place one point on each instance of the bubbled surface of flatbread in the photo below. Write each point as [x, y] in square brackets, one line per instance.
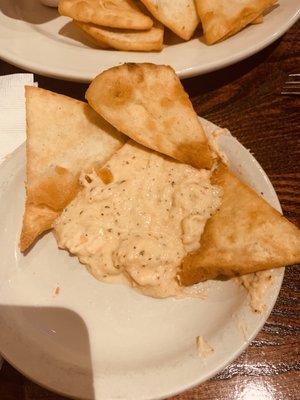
[148, 103]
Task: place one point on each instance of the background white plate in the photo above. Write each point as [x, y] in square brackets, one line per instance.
[35, 38]
[95, 340]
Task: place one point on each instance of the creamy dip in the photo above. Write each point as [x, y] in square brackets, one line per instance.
[136, 219]
[257, 285]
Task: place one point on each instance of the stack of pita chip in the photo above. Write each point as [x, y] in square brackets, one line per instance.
[139, 25]
[131, 25]
[148, 104]
[118, 24]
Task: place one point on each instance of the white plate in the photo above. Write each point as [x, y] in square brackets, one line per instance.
[35, 38]
[95, 340]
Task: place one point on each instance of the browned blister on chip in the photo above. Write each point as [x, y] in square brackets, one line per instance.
[111, 13]
[105, 175]
[148, 103]
[64, 137]
[222, 18]
[246, 235]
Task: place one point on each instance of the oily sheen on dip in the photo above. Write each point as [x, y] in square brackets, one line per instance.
[136, 220]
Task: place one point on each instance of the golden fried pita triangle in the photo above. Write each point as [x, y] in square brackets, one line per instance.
[223, 18]
[125, 39]
[112, 13]
[245, 235]
[148, 103]
[179, 16]
[64, 137]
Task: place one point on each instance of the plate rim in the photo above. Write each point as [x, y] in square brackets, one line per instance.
[187, 72]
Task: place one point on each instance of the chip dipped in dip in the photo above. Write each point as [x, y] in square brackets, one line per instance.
[137, 218]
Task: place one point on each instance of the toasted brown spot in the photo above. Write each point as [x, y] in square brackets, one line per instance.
[166, 102]
[60, 170]
[137, 70]
[197, 154]
[189, 275]
[49, 192]
[120, 94]
[150, 124]
[169, 122]
[105, 175]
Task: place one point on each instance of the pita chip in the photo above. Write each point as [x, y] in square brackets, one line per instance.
[64, 137]
[112, 13]
[124, 39]
[222, 18]
[178, 15]
[148, 103]
[245, 235]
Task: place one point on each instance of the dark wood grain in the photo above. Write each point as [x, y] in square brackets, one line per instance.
[246, 99]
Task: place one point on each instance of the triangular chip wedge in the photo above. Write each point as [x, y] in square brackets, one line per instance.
[112, 13]
[222, 18]
[245, 235]
[125, 39]
[148, 103]
[64, 137]
[178, 15]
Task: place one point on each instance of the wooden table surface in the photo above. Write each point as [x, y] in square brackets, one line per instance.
[246, 99]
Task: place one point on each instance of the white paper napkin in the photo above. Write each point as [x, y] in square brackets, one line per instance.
[12, 111]
[12, 114]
